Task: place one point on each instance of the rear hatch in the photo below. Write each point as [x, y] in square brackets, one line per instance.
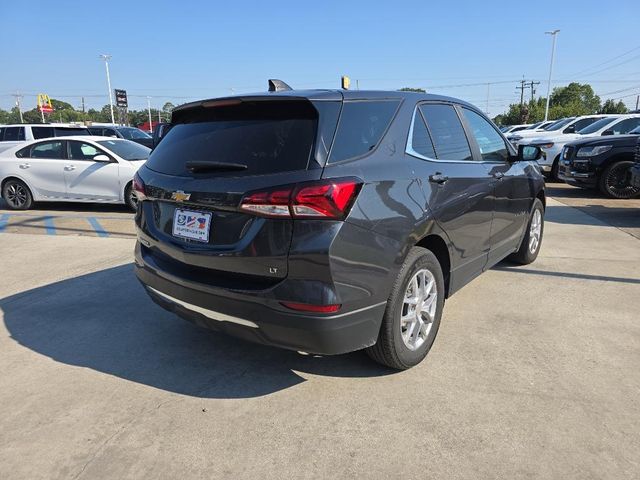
[214, 155]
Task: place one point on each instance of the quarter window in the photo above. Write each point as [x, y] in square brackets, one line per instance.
[361, 127]
[52, 150]
[420, 139]
[492, 147]
[449, 139]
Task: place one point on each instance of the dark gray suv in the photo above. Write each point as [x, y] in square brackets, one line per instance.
[330, 221]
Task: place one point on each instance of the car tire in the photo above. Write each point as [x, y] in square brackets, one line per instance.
[530, 246]
[17, 195]
[553, 176]
[403, 344]
[130, 198]
[615, 180]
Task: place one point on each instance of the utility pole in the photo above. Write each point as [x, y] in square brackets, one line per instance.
[149, 107]
[553, 33]
[637, 102]
[83, 105]
[106, 59]
[357, 84]
[531, 85]
[523, 82]
[18, 98]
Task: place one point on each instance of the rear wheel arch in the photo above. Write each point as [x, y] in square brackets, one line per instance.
[438, 246]
[542, 197]
[13, 177]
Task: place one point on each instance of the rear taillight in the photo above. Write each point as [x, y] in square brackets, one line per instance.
[328, 199]
[138, 187]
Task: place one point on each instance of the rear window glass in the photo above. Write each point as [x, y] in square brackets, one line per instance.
[42, 132]
[361, 127]
[267, 137]
[126, 149]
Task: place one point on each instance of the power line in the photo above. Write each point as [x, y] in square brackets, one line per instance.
[606, 61]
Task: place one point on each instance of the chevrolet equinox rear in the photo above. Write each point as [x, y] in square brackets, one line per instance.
[331, 221]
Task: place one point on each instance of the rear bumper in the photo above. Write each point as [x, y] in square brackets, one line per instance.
[259, 317]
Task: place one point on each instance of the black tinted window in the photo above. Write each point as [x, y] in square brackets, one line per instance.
[420, 138]
[1, 134]
[448, 136]
[14, 134]
[361, 127]
[65, 131]
[95, 131]
[491, 145]
[267, 137]
[42, 132]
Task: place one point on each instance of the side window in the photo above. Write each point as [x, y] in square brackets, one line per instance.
[109, 132]
[42, 132]
[625, 126]
[361, 127]
[449, 139]
[491, 144]
[1, 134]
[82, 151]
[52, 150]
[14, 134]
[420, 139]
[580, 124]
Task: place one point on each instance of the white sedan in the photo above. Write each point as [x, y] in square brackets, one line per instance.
[71, 169]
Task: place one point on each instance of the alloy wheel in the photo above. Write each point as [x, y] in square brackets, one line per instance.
[618, 182]
[418, 309]
[535, 230]
[16, 195]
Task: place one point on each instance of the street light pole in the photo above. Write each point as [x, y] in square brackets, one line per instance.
[553, 33]
[149, 107]
[106, 59]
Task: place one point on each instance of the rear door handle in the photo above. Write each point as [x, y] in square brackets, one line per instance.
[24, 165]
[438, 178]
[498, 175]
[69, 168]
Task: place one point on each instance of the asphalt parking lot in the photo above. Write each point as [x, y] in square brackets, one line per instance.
[534, 373]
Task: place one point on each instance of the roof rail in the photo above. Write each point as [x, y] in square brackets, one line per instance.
[276, 85]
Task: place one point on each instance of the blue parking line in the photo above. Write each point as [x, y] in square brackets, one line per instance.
[49, 225]
[97, 227]
[4, 219]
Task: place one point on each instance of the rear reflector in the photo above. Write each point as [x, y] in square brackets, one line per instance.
[307, 307]
[328, 199]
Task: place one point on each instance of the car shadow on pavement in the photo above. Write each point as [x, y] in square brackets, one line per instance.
[105, 321]
[595, 215]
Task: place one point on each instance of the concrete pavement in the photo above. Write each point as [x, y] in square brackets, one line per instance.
[534, 374]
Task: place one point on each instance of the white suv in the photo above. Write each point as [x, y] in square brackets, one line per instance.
[12, 135]
[552, 146]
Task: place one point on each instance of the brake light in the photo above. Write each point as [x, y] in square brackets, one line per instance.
[328, 199]
[139, 187]
[308, 307]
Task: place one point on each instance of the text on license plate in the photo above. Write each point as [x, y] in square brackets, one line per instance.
[192, 225]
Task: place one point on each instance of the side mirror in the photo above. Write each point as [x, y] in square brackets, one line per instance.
[607, 132]
[570, 129]
[101, 158]
[529, 153]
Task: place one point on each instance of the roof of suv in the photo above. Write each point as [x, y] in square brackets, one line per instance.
[335, 95]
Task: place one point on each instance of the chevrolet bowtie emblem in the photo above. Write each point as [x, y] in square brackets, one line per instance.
[180, 196]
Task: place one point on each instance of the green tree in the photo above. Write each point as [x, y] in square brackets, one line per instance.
[610, 106]
[167, 108]
[410, 89]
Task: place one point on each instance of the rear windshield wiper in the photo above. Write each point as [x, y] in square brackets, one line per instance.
[201, 166]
